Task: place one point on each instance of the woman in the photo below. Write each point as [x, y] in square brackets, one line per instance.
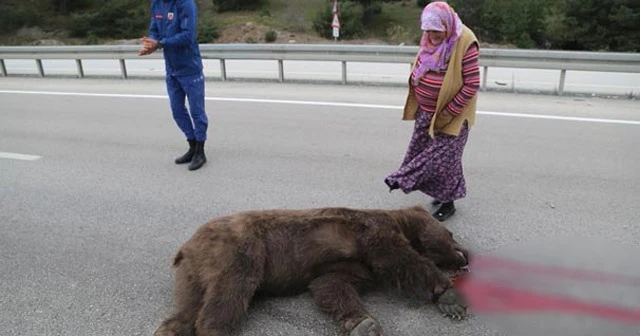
[442, 101]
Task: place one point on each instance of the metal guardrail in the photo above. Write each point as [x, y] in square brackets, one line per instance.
[503, 58]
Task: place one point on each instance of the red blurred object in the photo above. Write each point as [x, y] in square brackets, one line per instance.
[487, 262]
[460, 278]
[485, 296]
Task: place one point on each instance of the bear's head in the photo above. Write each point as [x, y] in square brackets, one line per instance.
[432, 239]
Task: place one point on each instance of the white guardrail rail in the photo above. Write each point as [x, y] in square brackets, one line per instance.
[503, 58]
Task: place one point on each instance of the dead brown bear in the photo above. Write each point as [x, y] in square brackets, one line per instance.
[336, 253]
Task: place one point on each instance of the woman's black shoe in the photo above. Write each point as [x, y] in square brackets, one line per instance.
[445, 211]
[393, 186]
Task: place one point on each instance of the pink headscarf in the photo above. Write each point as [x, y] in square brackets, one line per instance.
[438, 16]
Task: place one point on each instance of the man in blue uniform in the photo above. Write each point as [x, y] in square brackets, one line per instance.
[173, 29]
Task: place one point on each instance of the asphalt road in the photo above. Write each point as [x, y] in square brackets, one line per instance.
[523, 80]
[90, 223]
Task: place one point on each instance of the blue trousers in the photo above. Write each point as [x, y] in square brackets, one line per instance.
[194, 122]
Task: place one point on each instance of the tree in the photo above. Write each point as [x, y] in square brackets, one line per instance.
[114, 19]
[602, 25]
[470, 12]
[68, 6]
[350, 20]
[512, 21]
[234, 5]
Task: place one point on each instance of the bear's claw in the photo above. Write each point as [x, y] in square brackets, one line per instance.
[368, 327]
[452, 305]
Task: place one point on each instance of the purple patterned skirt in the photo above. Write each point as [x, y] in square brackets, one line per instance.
[432, 166]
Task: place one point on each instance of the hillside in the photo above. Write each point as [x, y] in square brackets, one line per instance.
[544, 24]
[292, 20]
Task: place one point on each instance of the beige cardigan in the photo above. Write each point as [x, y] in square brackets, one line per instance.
[451, 85]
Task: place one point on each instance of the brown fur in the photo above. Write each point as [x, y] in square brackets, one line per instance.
[336, 253]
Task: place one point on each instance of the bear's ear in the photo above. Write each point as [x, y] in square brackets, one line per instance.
[178, 258]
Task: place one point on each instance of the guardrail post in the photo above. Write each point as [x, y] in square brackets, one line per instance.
[281, 70]
[344, 72]
[563, 74]
[123, 69]
[223, 69]
[80, 70]
[3, 68]
[40, 68]
[484, 77]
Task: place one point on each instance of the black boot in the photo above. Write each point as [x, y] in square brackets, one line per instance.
[189, 154]
[446, 210]
[393, 186]
[198, 158]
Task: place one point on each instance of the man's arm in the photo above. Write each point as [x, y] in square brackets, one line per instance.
[153, 27]
[149, 44]
[188, 26]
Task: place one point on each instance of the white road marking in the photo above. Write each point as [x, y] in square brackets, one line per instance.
[323, 103]
[17, 156]
[556, 117]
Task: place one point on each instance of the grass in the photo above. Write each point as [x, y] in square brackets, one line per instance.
[231, 19]
[293, 15]
[304, 9]
[398, 22]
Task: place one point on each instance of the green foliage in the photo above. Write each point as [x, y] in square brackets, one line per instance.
[91, 39]
[270, 36]
[356, 16]
[265, 13]
[67, 6]
[208, 30]
[15, 18]
[470, 12]
[369, 11]
[422, 3]
[236, 5]
[601, 25]
[509, 21]
[351, 15]
[555, 23]
[370, 8]
[559, 24]
[114, 19]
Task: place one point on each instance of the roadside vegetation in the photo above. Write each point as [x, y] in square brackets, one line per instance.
[612, 25]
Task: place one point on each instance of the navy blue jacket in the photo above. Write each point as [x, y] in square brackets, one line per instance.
[174, 23]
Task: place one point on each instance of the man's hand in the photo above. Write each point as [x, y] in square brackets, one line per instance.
[149, 45]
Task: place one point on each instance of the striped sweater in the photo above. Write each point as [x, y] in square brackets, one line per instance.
[429, 87]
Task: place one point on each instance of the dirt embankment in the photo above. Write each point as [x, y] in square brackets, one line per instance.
[239, 33]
